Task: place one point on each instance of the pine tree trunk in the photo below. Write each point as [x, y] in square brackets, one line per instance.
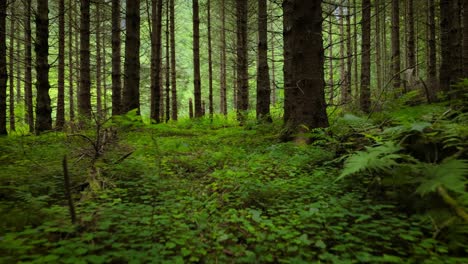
[304, 90]
[445, 64]
[173, 62]
[330, 55]
[19, 64]
[210, 63]
[396, 44]
[356, 55]
[263, 76]
[43, 108]
[411, 36]
[84, 99]
[366, 57]
[71, 92]
[456, 40]
[98, 62]
[344, 98]
[196, 60]
[3, 69]
[28, 97]
[242, 61]
[349, 55]
[11, 63]
[190, 108]
[378, 47]
[223, 69]
[116, 63]
[273, 68]
[465, 38]
[432, 51]
[131, 91]
[156, 94]
[168, 69]
[60, 119]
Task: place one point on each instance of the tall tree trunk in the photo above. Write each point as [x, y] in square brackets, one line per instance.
[84, 99]
[98, 62]
[168, 69]
[411, 35]
[366, 56]
[330, 55]
[77, 65]
[60, 119]
[28, 97]
[173, 62]
[396, 44]
[3, 69]
[43, 108]
[71, 92]
[116, 63]
[355, 53]
[223, 69]
[344, 97]
[18, 67]
[263, 75]
[273, 68]
[210, 63]
[12, 67]
[156, 95]
[104, 77]
[131, 91]
[349, 55]
[432, 51]
[242, 61]
[456, 40]
[445, 64]
[378, 47]
[196, 59]
[465, 38]
[303, 45]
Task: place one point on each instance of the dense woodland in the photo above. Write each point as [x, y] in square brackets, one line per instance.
[234, 131]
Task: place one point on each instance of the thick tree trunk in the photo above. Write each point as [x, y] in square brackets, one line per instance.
[223, 69]
[11, 64]
[242, 61]
[60, 119]
[168, 69]
[43, 108]
[116, 63]
[305, 104]
[131, 91]
[396, 44]
[465, 38]
[366, 56]
[71, 92]
[455, 38]
[98, 62]
[173, 62]
[28, 97]
[156, 94]
[196, 60]
[411, 36]
[84, 99]
[3, 69]
[432, 51]
[263, 75]
[210, 63]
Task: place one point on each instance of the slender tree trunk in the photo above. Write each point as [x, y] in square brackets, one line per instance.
[378, 47]
[196, 59]
[43, 108]
[366, 56]
[411, 36]
[242, 61]
[223, 71]
[396, 44]
[330, 54]
[273, 73]
[71, 93]
[385, 68]
[116, 63]
[18, 67]
[98, 62]
[210, 63]
[303, 45]
[349, 55]
[104, 77]
[131, 91]
[3, 68]
[344, 97]
[445, 65]
[465, 38]
[60, 119]
[12, 67]
[263, 76]
[173, 62]
[190, 108]
[77, 56]
[28, 97]
[84, 100]
[168, 69]
[356, 54]
[156, 94]
[432, 51]
[456, 40]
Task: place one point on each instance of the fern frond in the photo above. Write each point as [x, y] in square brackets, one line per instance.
[452, 174]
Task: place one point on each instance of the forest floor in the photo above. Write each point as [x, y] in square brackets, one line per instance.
[201, 191]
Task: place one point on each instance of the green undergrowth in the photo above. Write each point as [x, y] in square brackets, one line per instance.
[208, 191]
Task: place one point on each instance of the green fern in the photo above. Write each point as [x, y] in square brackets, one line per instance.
[380, 158]
[452, 174]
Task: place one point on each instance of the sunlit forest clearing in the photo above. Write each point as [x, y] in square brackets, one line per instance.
[233, 131]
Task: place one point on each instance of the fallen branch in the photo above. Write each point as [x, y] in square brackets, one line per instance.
[453, 203]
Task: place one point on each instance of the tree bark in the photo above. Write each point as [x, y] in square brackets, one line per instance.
[98, 61]
[432, 51]
[331, 81]
[60, 119]
[223, 69]
[3, 69]
[28, 97]
[71, 92]
[263, 75]
[43, 108]
[411, 36]
[196, 60]
[156, 19]
[242, 61]
[173, 62]
[84, 99]
[445, 64]
[304, 86]
[396, 44]
[11, 68]
[366, 56]
[116, 62]
[465, 38]
[455, 38]
[168, 69]
[210, 63]
[131, 91]
[378, 47]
